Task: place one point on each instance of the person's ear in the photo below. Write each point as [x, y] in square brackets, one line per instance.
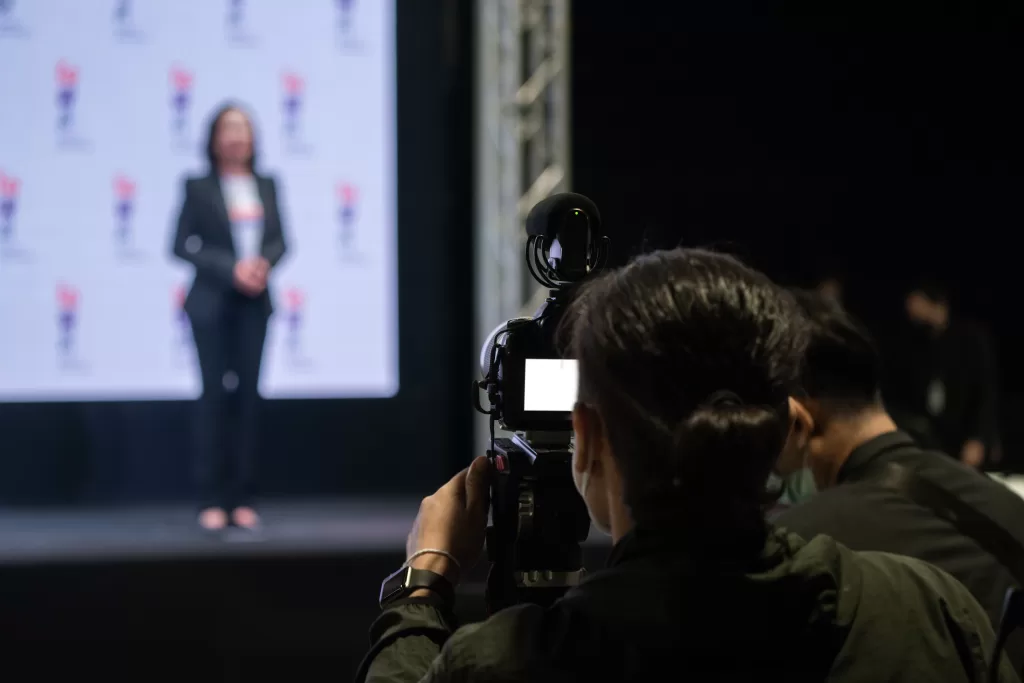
[801, 426]
[801, 420]
[582, 427]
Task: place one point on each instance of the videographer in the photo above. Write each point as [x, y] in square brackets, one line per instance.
[686, 360]
[844, 435]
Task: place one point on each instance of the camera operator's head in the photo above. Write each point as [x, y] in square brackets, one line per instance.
[840, 405]
[686, 361]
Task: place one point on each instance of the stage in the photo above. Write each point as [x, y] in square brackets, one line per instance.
[325, 528]
[294, 599]
[101, 588]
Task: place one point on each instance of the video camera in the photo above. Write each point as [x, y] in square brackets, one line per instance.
[538, 520]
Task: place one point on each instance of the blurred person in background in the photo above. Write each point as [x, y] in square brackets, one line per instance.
[686, 362]
[832, 287]
[230, 230]
[941, 382]
[844, 437]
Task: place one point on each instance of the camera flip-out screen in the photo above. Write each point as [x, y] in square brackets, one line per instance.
[550, 385]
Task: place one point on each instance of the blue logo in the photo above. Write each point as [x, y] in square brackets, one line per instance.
[124, 207]
[68, 77]
[67, 318]
[294, 308]
[292, 105]
[347, 37]
[67, 90]
[237, 25]
[181, 103]
[9, 190]
[294, 85]
[124, 218]
[348, 200]
[125, 28]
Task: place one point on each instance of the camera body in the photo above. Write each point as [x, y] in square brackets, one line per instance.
[538, 520]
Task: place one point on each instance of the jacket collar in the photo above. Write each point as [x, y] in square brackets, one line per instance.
[866, 456]
[724, 548]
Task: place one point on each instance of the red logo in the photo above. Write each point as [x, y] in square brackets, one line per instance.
[294, 86]
[67, 75]
[67, 298]
[124, 188]
[294, 300]
[67, 82]
[9, 186]
[348, 194]
[181, 79]
[181, 95]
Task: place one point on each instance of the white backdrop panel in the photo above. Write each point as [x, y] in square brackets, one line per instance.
[104, 110]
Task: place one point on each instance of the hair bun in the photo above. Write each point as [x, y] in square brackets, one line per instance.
[723, 398]
[721, 433]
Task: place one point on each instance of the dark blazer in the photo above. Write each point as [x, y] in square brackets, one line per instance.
[203, 238]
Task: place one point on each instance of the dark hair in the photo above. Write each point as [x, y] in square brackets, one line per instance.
[689, 358]
[842, 365]
[211, 134]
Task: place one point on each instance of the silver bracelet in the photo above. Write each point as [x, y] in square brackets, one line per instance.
[433, 551]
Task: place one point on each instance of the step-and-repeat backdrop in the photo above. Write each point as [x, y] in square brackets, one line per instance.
[104, 107]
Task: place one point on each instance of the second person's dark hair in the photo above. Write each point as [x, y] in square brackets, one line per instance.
[842, 365]
[689, 358]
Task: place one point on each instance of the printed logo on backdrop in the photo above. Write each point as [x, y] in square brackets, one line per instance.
[348, 217]
[69, 135]
[68, 314]
[182, 342]
[348, 36]
[10, 24]
[237, 25]
[293, 113]
[10, 246]
[182, 81]
[125, 28]
[124, 219]
[294, 321]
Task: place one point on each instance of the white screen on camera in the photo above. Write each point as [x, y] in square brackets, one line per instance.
[550, 385]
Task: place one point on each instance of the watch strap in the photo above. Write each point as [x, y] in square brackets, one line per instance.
[409, 579]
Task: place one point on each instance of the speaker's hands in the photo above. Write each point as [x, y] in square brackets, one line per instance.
[250, 278]
[454, 520]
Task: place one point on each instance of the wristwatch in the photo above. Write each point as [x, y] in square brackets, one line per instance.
[408, 579]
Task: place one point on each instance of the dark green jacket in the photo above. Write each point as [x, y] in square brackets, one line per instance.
[801, 612]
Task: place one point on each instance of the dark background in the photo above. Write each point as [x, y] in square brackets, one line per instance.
[123, 452]
[879, 143]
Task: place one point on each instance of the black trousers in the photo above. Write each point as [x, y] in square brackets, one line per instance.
[230, 350]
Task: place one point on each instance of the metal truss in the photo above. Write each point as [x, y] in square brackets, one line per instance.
[523, 145]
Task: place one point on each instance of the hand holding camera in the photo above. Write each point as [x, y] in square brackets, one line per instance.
[452, 520]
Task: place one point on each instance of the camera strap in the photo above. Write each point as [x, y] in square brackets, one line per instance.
[991, 536]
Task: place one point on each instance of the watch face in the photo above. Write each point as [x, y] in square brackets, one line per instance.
[394, 585]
